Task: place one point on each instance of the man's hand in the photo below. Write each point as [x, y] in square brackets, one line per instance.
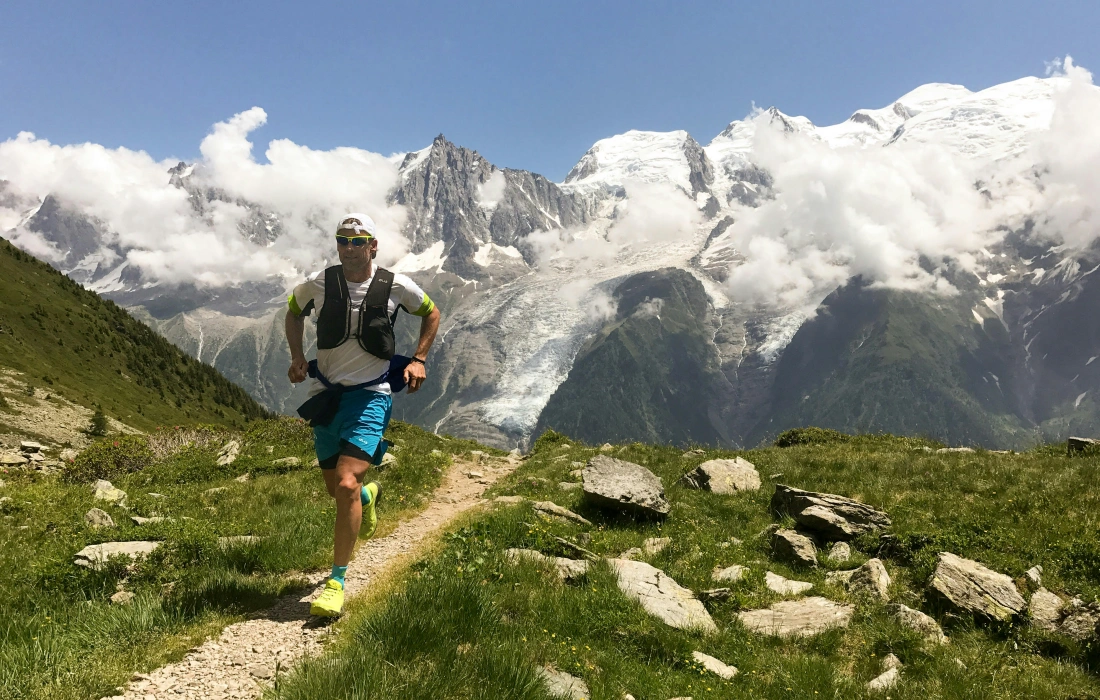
[415, 375]
[298, 370]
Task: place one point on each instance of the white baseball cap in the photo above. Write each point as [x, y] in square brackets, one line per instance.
[360, 223]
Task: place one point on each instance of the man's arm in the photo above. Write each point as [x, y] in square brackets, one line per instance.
[295, 333]
[415, 373]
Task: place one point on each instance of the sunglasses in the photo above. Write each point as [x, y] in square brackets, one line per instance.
[357, 241]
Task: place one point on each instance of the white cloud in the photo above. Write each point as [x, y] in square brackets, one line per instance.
[650, 308]
[492, 190]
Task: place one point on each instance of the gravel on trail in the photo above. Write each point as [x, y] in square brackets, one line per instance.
[248, 656]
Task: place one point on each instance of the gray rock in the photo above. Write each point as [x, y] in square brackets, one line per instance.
[1034, 576]
[509, 500]
[1082, 623]
[969, 587]
[68, 454]
[885, 681]
[553, 509]
[950, 450]
[96, 518]
[919, 622]
[606, 447]
[891, 661]
[568, 485]
[691, 454]
[28, 446]
[228, 453]
[797, 618]
[562, 685]
[840, 551]
[1045, 610]
[122, 598]
[794, 547]
[730, 573]
[785, 586]
[834, 517]
[243, 478]
[139, 520]
[624, 486]
[474, 475]
[871, 579]
[566, 569]
[715, 594]
[723, 476]
[388, 459]
[293, 462]
[713, 665]
[656, 545]
[632, 553]
[660, 596]
[1076, 445]
[840, 578]
[106, 491]
[94, 556]
[10, 459]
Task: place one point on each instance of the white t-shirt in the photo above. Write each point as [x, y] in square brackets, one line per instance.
[348, 363]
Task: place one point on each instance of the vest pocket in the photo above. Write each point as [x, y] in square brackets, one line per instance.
[376, 334]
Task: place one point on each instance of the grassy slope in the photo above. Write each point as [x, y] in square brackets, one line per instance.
[92, 351]
[466, 624]
[59, 635]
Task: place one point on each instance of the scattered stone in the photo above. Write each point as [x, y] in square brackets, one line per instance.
[568, 485]
[1082, 623]
[834, 517]
[106, 491]
[606, 447]
[387, 460]
[690, 454]
[475, 475]
[11, 459]
[613, 483]
[1034, 576]
[576, 548]
[840, 551]
[715, 594]
[714, 665]
[1045, 610]
[228, 453]
[794, 547]
[262, 671]
[96, 518]
[785, 586]
[68, 454]
[29, 447]
[122, 598]
[94, 556]
[797, 618]
[723, 476]
[632, 553]
[839, 578]
[919, 622]
[138, 520]
[36, 457]
[662, 597]
[562, 685]
[970, 587]
[656, 545]
[509, 500]
[243, 478]
[871, 579]
[730, 573]
[949, 450]
[554, 510]
[886, 681]
[1079, 444]
[291, 462]
[566, 569]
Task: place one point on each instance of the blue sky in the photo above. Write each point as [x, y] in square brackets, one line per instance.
[529, 85]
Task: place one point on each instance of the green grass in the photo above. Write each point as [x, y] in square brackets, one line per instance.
[60, 637]
[465, 623]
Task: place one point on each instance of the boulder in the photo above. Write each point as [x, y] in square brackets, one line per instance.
[1045, 610]
[885, 681]
[785, 586]
[29, 447]
[10, 459]
[840, 551]
[554, 510]
[730, 573]
[1076, 445]
[919, 622]
[834, 517]
[971, 588]
[68, 454]
[623, 486]
[713, 665]
[656, 545]
[797, 618]
[94, 556]
[840, 578]
[794, 547]
[228, 453]
[1082, 623]
[660, 596]
[106, 491]
[562, 685]
[871, 579]
[566, 569]
[723, 476]
[691, 454]
[97, 518]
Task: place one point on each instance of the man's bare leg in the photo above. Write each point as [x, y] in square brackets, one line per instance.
[344, 484]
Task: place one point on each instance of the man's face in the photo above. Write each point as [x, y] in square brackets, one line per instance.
[353, 255]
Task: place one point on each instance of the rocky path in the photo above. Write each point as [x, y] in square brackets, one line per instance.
[250, 655]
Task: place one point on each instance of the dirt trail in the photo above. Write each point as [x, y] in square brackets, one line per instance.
[247, 656]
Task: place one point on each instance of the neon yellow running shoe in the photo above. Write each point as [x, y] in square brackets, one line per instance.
[331, 601]
[373, 490]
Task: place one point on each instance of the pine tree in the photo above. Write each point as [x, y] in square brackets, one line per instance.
[98, 427]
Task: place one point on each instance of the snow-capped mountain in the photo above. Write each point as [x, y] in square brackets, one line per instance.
[632, 273]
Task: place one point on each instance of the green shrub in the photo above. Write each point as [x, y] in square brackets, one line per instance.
[98, 426]
[810, 436]
[549, 440]
[109, 459]
[279, 431]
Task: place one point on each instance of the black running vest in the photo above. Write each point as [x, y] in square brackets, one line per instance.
[374, 328]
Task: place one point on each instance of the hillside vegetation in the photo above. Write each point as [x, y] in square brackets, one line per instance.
[471, 623]
[69, 341]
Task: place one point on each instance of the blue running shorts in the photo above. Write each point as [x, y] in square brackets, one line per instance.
[356, 430]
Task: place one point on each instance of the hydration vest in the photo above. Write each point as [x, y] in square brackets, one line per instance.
[374, 328]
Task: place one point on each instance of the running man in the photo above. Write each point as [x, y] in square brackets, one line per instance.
[356, 303]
